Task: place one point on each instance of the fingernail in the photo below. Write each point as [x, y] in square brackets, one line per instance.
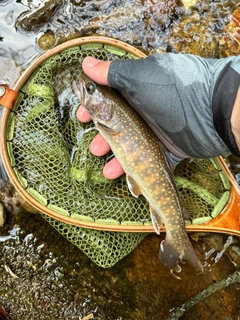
[83, 115]
[112, 169]
[90, 62]
[99, 145]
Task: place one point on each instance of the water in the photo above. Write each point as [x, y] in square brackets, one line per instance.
[26, 32]
[54, 279]
[16, 49]
[49, 278]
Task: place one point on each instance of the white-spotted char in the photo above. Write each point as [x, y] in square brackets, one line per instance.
[144, 161]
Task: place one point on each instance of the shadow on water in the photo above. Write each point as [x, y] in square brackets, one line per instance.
[42, 275]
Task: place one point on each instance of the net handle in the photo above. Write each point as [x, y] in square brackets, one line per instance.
[8, 96]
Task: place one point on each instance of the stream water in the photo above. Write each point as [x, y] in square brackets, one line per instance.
[42, 275]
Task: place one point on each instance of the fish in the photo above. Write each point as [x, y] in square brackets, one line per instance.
[145, 162]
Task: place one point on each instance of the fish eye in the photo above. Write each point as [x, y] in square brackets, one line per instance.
[90, 87]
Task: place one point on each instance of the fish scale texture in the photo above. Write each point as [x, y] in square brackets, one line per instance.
[49, 151]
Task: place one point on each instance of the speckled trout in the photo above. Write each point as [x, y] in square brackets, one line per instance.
[145, 163]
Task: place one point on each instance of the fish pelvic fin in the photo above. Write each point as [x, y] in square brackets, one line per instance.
[171, 256]
[156, 220]
[133, 186]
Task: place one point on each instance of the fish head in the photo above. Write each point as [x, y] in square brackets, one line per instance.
[95, 98]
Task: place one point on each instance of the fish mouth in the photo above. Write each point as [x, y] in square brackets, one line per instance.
[80, 91]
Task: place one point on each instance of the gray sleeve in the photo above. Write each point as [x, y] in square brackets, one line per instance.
[158, 82]
[147, 86]
[173, 92]
[138, 81]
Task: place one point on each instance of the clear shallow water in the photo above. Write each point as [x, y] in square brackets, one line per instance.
[149, 25]
[54, 280]
[49, 278]
[16, 49]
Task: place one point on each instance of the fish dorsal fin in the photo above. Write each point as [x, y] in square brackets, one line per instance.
[133, 186]
[156, 221]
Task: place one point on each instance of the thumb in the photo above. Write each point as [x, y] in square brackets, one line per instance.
[96, 69]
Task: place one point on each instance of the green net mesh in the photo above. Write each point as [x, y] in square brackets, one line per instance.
[49, 152]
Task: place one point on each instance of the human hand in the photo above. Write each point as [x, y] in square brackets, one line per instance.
[97, 70]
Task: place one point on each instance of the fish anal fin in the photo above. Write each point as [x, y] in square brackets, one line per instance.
[133, 186]
[156, 220]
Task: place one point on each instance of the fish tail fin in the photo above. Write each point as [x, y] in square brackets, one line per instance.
[170, 256]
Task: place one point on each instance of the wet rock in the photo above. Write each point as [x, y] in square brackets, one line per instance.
[9, 71]
[34, 20]
[2, 215]
[3, 314]
[126, 16]
[217, 245]
[230, 42]
[195, 28]
[214, 241]
[233, 163]
[12, 203]
[103, 4]
[190, 35]
[9, 198]
[234, 254]
[189, 3]
[199, 29]
[140, 24]
[5, 2]
[47, 40]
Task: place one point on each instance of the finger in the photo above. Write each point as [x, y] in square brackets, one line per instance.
[83, 115]
[99, 145]
[96, 69]
[112, 169]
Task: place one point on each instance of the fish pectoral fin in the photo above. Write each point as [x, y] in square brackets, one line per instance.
[104, 128]
[133, 186]
[156, 220]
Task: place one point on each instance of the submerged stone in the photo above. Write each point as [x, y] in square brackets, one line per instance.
[33, 20]
[47, 40]
[230, 42]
